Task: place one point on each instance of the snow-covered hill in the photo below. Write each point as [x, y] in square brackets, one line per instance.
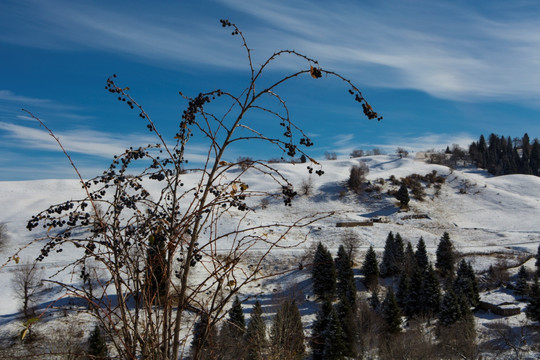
[482, 214]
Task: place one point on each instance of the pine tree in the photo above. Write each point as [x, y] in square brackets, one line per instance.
[533, 308]
[403, 295]
[390, 313]
[446, 256]
[370, 269]
[256, 334]
[323, 273]
[96, 345]
[421, 255]
[416, 292]
[467, 284]
[287, 332]
[348, 322]
[320, 324]
[431, 293]
[522, 287]
[402, 196]
[156, 269]
[203, 344]
[450, 311]
[374, 300]
[345, 286]
[334, 345]
[392, 261]
[409, 261]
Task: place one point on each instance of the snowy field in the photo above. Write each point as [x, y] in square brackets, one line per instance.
[484, 216]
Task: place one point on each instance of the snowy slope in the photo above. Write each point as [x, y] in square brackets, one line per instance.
[481, 213]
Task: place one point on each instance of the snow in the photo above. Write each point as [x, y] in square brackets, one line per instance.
[483, 215]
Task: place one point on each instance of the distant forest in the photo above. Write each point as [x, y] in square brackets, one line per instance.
[504, 155]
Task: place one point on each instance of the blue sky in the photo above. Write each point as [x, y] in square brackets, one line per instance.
[440, 72]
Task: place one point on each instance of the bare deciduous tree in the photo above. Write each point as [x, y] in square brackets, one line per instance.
[175, 237]
[27, 284]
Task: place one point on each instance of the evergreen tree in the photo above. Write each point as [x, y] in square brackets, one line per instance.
[450, 311]
[334, 345]
[446, 256]
[320, 324]
[156, 269]
[370, 269]
[256, 334]
[522, 287]
[390, 313]
[403, 295]
[287, 332]
[236, 319]
[416, 292]
[409, 262]
[348, 322]
[203, 344]
[345, 286]
[374, 300]
[431, 293]
[467, 284]
[533, 308]
[96, 345]
[421, 255]
[402, 196]
[392, 261]
[323, 273]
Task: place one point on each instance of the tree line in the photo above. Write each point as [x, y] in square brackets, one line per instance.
[501, 155]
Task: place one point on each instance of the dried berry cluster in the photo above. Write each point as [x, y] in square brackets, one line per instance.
[288, 193]
[368, 110]
[227, 23]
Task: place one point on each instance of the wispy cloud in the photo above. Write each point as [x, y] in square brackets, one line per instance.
[447, 49]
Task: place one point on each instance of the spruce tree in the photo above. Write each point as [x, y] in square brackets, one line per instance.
[446, 256]
[402, 196]
[390, 313]
[96, 345]
[450, 311]
[521, 288]
[323, 273]
[320, 324]
[403, 295]
[431, 293]
[416, 292]
[348, 321]
[334, 345]
[345, 286]
[256, 334]
[533, 307]
[237, 322]
[156, 268]
[409, 261]
[287, 332]
[203, 344]
[374, 300]
[370, 269]
[393, 256]
[421, 255]
[466, 283]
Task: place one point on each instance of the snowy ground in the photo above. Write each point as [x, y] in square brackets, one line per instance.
[484, 215]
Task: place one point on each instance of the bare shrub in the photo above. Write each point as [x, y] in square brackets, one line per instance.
[170, 239]
[498, 274]
[357, 153]
[306, 187]
[377, 151]
[330, 155]
[357, 177]
[27, 285]
[402, 152]
[458, 341]
[415, 343]
[351, 243]
[245, 162]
